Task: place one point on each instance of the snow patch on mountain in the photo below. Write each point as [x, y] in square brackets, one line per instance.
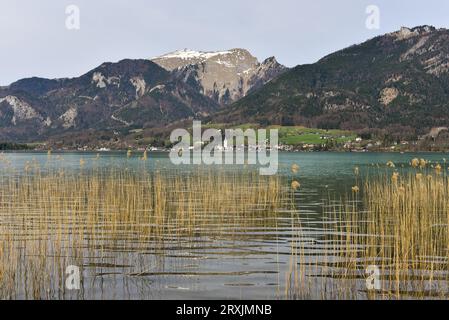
[187, 54]
[224, 76]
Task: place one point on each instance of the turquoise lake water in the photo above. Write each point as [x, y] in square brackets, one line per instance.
[245, 263]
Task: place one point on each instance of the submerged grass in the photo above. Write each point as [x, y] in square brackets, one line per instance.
[391, 243]
[109, 221]
[50, 219]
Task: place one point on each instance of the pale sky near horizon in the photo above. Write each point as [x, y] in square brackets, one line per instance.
[34, 40]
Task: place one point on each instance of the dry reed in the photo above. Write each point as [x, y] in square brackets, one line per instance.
[400, 226]
[50, 219]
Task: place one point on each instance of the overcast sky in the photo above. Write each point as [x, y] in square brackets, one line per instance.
[35, 41]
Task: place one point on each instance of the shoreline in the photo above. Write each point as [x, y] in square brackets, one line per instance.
[168, 151]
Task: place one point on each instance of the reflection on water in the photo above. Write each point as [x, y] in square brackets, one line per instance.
[167, 232]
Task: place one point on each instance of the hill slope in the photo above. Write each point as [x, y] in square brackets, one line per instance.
[114, 95]
[398, 82]
[130, 95]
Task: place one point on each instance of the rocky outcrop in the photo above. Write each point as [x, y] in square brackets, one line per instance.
[224, 76]
[111, 96]
[21, 110]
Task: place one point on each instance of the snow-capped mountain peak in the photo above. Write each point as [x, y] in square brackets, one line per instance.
[224, 76]
[187, 54]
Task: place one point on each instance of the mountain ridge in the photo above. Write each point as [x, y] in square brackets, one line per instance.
[117, 96]
[224, 76]
[397, 83]
[43, 107]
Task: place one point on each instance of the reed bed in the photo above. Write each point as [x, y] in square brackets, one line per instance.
[396, 223]
[123, 224]
[51, 218]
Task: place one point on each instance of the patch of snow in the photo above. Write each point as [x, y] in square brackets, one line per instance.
[187, 54]
[225, 63]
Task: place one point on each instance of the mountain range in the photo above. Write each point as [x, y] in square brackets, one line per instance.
[131, 94]
[397, 83]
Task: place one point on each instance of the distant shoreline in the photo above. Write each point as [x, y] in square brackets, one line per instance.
[168, 151]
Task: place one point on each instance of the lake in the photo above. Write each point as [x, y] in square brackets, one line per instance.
[220, 258]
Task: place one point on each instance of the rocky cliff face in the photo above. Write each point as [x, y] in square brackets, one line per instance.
[224, 76]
